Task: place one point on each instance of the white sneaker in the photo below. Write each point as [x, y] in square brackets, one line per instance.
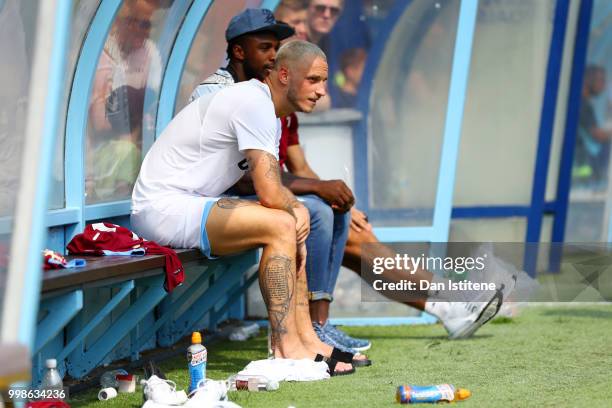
[462, 319]
[210, 394]
[207, 393]
[163, 392]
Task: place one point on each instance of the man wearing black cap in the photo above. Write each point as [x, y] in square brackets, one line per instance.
[253, 37]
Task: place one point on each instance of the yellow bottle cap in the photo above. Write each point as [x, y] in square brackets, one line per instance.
[462, 393]
[196, 338]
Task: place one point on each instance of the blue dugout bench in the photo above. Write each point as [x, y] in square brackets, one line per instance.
[116, 307]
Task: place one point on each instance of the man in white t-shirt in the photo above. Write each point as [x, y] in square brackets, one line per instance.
[209, 146]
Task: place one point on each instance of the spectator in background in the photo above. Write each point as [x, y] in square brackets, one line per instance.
[116, 161]
[129, 57]
[352, 63]
[128, 60]
[322, 16]
[338, 28]
[592, 141]
[294, 13]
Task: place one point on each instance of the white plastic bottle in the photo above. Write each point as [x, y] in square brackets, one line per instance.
[52, 379]
[253, 383]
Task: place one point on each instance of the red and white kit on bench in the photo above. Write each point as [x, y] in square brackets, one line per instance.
[104, 238]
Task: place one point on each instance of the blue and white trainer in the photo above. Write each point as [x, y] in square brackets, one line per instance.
[324, 337]
[344, 339]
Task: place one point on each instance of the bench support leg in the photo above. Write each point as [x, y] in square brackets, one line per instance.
[170, 305]
[234, 296]
[217, 291]
[61, 310]
[119, 329]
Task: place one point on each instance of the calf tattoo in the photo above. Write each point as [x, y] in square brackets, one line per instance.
[277, 290]
[231, 203]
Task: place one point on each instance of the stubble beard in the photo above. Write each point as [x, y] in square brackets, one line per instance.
[292, 97]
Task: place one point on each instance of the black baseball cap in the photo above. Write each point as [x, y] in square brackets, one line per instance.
[257, 20]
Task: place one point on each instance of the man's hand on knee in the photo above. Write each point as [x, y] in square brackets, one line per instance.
[337, 194]
[302, 222]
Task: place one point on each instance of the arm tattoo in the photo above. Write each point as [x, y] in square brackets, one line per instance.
[231, 203]
[276, 280]
[273, 171]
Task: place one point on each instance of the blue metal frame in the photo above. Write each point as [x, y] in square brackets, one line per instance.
[220, 283]
[571, 125]
[82, 362]
[126, 289]
[60, 310]
[234, 296]
[78, 108]
[170, 305]
[538, 194]
[176, 63]
[547, 121]
[454, 119]
[173, 303]
[571, 118]
[106, 210]
[56, 78]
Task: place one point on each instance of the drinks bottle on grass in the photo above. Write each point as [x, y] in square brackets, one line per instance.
[414, 394]
[251, 383]
[52, 379]
[196, 356]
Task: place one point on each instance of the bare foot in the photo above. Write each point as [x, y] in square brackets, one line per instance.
[312, 343]
[299, 351]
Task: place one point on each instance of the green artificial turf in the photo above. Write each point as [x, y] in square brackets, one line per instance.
[547, 356]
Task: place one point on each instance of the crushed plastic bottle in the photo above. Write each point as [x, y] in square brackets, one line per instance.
[253, 383]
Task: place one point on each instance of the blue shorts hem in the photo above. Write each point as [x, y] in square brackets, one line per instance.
[204, 242]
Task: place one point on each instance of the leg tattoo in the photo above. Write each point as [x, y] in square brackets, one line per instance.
[231, 203]
[277, 292]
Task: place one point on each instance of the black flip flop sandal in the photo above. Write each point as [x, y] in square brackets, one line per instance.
[346, 357]
[366, 362]
[342, 356]
[331, 366]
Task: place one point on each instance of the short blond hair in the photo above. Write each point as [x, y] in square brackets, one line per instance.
[296, 51]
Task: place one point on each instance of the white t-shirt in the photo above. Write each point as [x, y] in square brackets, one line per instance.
[217, 81]
[201, 152]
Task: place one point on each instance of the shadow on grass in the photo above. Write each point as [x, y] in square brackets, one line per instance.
[599, 314]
